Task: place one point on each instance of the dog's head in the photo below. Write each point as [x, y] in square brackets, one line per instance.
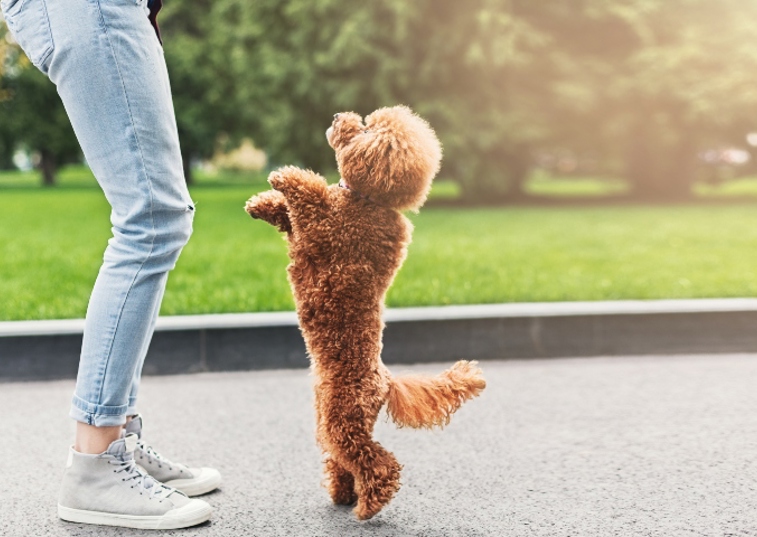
[391, 158]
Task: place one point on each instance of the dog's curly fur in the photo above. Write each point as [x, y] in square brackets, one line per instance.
[346, 243]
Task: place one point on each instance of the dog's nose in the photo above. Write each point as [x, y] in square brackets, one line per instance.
[336, 116]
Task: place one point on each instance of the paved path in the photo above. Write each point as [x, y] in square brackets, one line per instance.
[653, 446]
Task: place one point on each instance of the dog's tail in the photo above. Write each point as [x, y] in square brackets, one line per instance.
[422, 401]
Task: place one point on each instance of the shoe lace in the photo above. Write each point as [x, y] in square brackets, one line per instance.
[151, 454]
[144, 483]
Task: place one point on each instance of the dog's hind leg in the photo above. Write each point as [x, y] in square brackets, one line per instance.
[341, 483]
[377, 477]
[376, 471]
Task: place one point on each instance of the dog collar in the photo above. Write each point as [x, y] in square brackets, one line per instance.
[343, 184]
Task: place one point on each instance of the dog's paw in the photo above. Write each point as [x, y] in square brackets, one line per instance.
[342, 489]
[344, 497]
[276, 180]
[252, 206]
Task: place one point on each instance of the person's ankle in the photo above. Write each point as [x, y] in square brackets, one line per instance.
[91, 440]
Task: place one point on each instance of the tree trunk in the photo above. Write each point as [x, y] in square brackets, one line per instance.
[518, 165]
[640, 169]
[682, 168]
[186, 163]
[497, 176]
[660, 169]
[48, 166]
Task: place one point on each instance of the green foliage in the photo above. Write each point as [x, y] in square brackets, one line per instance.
[6, 136]
[671, 79]
[637, 88]
[204, 92]
[456, 63]
[32, 117]
[7, 147]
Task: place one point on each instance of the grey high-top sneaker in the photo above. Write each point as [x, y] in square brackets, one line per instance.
[110, 489]
[190, 481]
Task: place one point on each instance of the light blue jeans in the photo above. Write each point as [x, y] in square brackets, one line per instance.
[108, 66]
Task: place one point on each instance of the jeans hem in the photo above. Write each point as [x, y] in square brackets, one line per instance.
[97, 415]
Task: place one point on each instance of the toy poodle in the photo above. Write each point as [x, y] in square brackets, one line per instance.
[346, 243]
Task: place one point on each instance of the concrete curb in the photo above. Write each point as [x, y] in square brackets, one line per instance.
[35, 350]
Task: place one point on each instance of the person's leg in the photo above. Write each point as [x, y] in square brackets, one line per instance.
[108, 66]
[93, 440]
[192, 481]
[111, 76]
[131, 408]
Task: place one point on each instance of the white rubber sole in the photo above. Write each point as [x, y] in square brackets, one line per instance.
[209, 479]
[195, 512]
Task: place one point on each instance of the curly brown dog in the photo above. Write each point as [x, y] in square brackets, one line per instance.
[346, 243]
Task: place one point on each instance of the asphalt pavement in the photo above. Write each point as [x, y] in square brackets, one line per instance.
[621, 446]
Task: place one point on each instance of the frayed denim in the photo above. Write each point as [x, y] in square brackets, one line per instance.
[108, 66]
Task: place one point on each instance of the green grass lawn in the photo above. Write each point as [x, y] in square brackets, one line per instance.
[745, 186]
[52, 241]
[542, 184]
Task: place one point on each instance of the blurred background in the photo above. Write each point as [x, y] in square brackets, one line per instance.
[560, 117]
[655, 99]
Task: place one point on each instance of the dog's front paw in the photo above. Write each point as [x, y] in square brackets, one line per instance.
[253, 206]
[276, 180]
[271, 207]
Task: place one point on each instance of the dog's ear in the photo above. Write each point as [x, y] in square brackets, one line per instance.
[393, 159]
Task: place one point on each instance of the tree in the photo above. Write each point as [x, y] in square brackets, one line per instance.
[641, 85]
[461, 65]
[6, 136]
[33, 116]
[693, 84]
[205, 95]
[671, 79]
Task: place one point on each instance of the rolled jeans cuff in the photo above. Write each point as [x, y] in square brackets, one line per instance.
[131, 410]
[98, 415]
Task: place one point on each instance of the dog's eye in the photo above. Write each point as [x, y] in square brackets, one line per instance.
[365, 130]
